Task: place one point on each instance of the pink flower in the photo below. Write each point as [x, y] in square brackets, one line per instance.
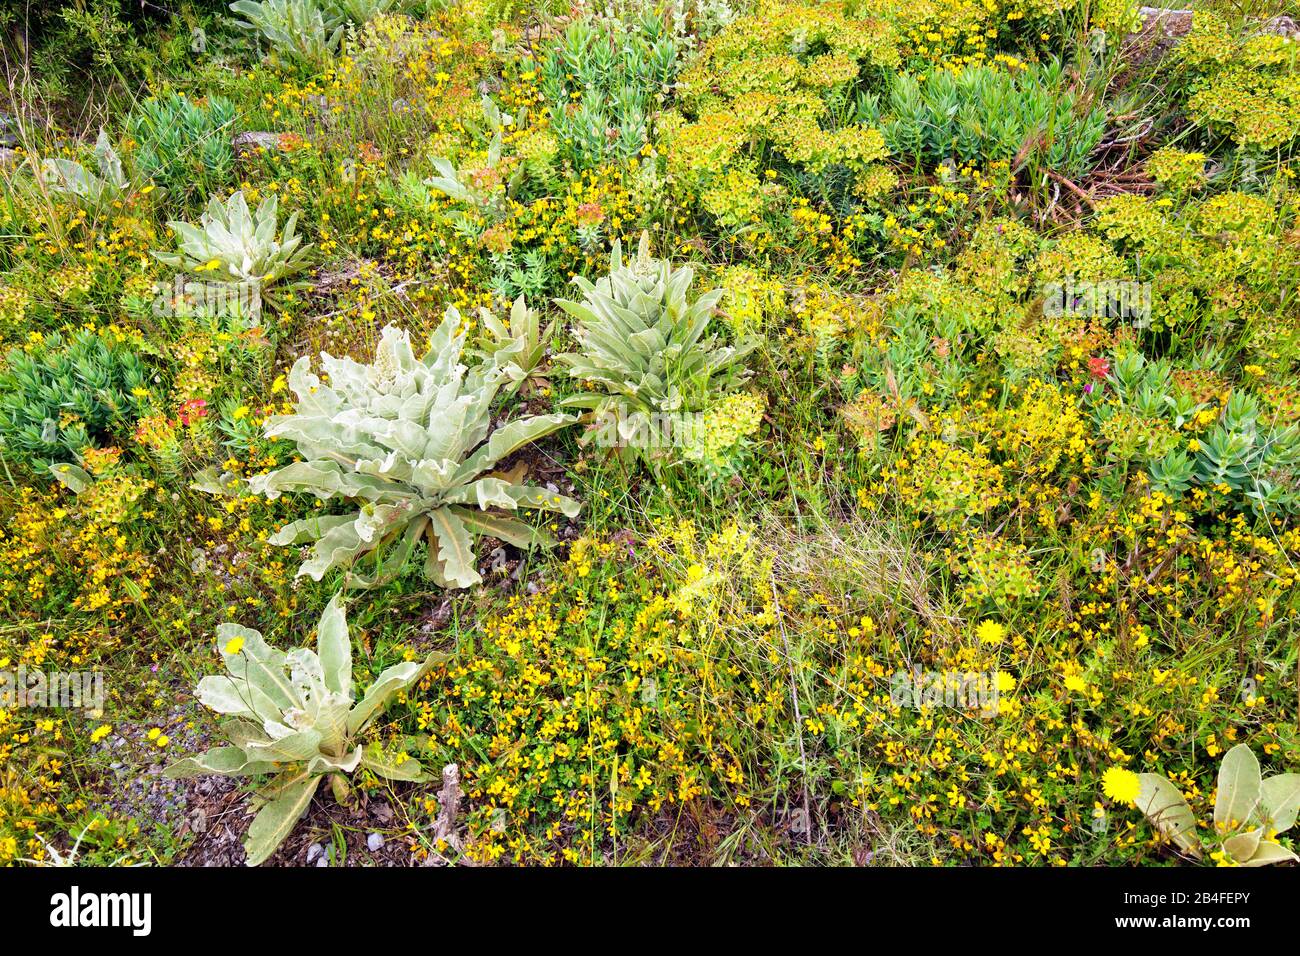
[589, 214]
[192, 411]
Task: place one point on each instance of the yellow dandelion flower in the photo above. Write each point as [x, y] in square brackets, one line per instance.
[1121, 785]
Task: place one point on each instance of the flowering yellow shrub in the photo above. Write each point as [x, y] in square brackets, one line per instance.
[1176, 169]
[943, 480]
[1248, 87]
[73, 553]
[955, 33]
[769, 83]
[751, 301]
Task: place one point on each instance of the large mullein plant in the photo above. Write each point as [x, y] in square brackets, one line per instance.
[233, 244]
[409, 444]
[292, 717]
[66, 177]
[645, 344]
[1250, 812]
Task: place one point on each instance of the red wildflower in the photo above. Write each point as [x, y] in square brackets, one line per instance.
[192, 411]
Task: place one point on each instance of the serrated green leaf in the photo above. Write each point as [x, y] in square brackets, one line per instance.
[510, 530]
[455, 548]
[226, 761]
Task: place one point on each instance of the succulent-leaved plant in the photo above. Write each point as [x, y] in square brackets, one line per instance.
[410, 441]
[478, 187]
[300, 31]
[293, 716]
[70, 178]
[1249, 811]
[522, 326]
[236, 245]
[645, 342]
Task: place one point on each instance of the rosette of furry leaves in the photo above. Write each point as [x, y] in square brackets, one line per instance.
[67, 177]
[410, 441]
[293, 716]
[523, 331]
[299, 32]
[1250, 811]
[235, 245]
[643, 340]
